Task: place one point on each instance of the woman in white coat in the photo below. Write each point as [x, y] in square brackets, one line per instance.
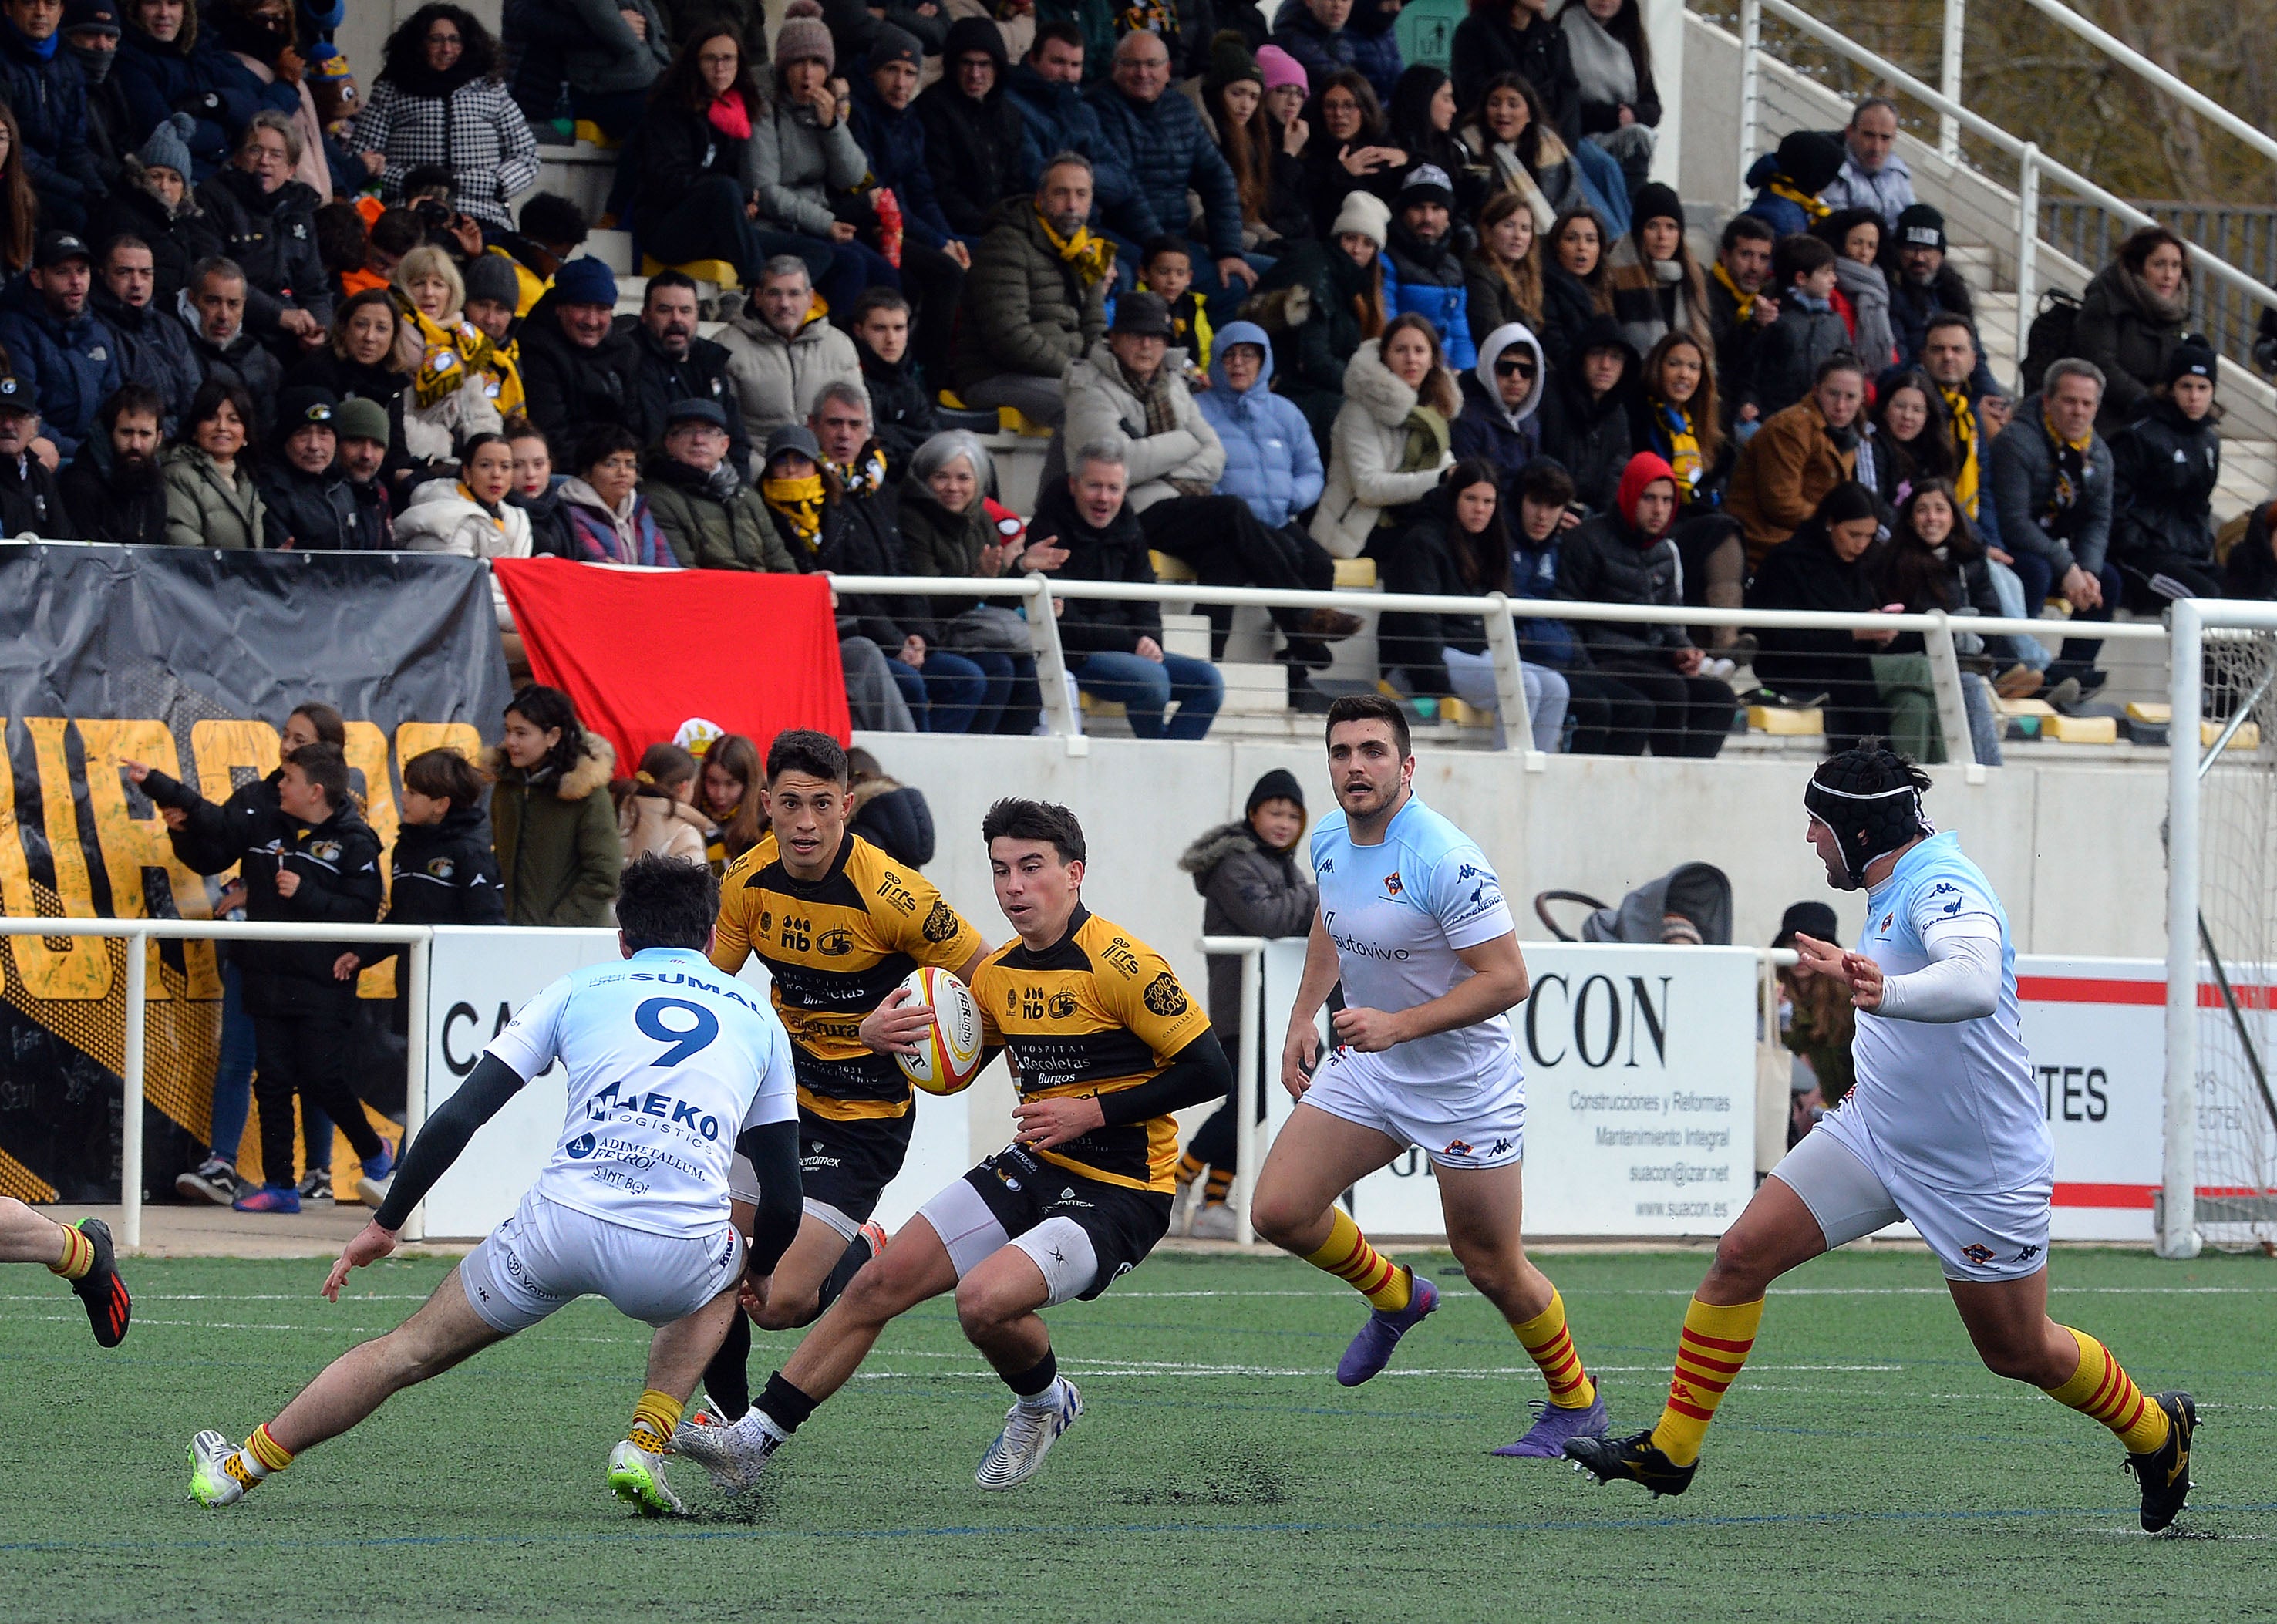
[1389, 443]
[469, 515]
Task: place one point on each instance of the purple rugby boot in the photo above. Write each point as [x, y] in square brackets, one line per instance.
[1371, 1349]
[1545, 1440]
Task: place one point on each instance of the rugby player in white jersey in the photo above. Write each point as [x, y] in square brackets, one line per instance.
[1411, 921]
[1944, 1128]
[673, 1068]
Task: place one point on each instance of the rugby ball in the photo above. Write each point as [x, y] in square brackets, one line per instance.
[948, 1051]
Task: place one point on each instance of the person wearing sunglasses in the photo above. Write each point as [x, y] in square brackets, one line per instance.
[1500, 395]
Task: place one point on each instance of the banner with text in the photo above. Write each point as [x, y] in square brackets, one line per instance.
[189, 660]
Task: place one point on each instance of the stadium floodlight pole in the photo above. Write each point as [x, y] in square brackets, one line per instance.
[1751, 88]
[2177, 1229]
[1948, 81]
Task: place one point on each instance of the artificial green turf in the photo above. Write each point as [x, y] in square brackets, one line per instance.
[1865, 1466]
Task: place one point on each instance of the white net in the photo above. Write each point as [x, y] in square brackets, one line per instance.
[2237, 942]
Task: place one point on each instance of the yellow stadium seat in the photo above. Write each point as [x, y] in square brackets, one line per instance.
[1464, 715]
[2081, 729]
[717, 271]
[1168, 567]
[948, 398]
[588, 130]
[1012, 420]
[1782, 722]
[2024, 707]
[1355, 573]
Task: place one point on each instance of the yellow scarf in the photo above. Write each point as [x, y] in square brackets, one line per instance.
[1780, 186]
[1745, 301]
[864, 474]
[799, 501]
[1683, 447]
[1964, 439]
[496, 521]
[448, 354]
[1092, 258]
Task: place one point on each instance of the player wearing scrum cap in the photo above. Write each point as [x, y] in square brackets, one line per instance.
[1944, 1129]
[1105, 1044]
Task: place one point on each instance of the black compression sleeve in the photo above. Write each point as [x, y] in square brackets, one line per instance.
[772, 1150]
[444, 1135]
[1197, 1074]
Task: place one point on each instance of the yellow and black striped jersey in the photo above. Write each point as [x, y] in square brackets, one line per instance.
[835, 947]
[1099, 1012]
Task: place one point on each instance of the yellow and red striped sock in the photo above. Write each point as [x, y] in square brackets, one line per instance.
[1189, 1167]
[78, 1258]
[1347, 1256]
[2101, 1391]
[260, 1456]
[1709, 1354]
[1551, 1346]
[1219, 1186]
[653, 1419]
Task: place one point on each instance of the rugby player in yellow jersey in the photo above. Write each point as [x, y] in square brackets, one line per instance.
[1104, 1044]
[838, 924]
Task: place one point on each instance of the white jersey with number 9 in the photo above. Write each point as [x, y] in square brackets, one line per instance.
[669, 1061]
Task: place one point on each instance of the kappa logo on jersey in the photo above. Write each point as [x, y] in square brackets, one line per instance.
[1391, 883]
[940, 924]
[1165, 996]
[1328, 865]
[1978, 1253]
[2026, 1256]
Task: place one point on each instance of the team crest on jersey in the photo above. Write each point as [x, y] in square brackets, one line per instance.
[1888, 919]
[940, 924]
[1977, 1253]
[1062, 1005]
[835, 942]
[325, 850]
[441, 868]
[1391, 883]
[1165, 996]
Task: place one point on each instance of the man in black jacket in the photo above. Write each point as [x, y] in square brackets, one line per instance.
[308, 504]
[1585, 420]
[1740, 305]
[113, 487]
[31, 501]
[578, 367]
[972, 129]
[1114, 649]
[307, 858]
[212, 307]
[900, 410]
[675, 365]
[153, 348]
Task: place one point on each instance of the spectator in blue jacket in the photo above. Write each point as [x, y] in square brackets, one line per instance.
[885, 126]
[1608, 717]
[1501, 393]
[67, 354]
[1789, 181]
[1165, 148]
[163, 68]
[1057, 117]
[41, 84]
[1423, 274]
[1271, 461]
[1375, 44]
[1313, 32]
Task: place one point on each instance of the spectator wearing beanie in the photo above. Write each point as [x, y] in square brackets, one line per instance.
[305, 502]
[493, 285]
[709, 515]
[439, 99]
[696, 164]
[112, 487]
[804, 153]
[153, 201]
[362, 429]
[972, 129]
[64, 352]
[90, 36]
[1253, 881]
[559, 852]
[887, 126]
[1269, 176]
[468, 516]
[153, 348]
[1327, 295]
[578, 370]
[1924, 286]
[1830, 565]
[1657, 287]
[1422, 272]
[1789, 181]
[2165, 465]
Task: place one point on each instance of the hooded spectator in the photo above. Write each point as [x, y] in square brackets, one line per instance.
[60, 348]
[153, 348]
[211, 498]
[578, 369]
[266, 219]
[556, 828]
[709, 515]
[655, 812]
[782, 348]
[42, 86]
[469, 516]
[305, 502]
[899, 402]
[609, 519]
[1271, 462]
[1789, 181]
[1329, 295]
[1423, 270]
[112, 488]
[1626, 556]
[439, 99]
[1037, 298]
[1800, 454]
[803, 154]
[1501, 395]
[2134, 311]
[891, 816]
[1585, 416]
[2165, 466]
[973, 128]
[1872, 175]
[1503, 275]
[1829, 565]
[1391, 442]
[1657, 289]
[675, 364]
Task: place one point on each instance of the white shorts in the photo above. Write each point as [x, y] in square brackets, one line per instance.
[1476, 1123]
[743, 1185]
[972, 1231]
[547, 1255]
[1852, 1192]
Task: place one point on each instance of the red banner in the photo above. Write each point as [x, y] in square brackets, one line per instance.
[643, 651]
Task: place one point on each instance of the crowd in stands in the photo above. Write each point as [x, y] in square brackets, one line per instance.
[1278, 298]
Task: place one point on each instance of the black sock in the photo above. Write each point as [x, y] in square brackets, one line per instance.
[784, 1405]
[725, 1379]
[850, 1264]
[1037, 1378]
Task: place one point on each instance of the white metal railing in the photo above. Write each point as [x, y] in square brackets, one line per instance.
[2033, 164]
[1247, 1152]
[1500, 612]
[413, 938]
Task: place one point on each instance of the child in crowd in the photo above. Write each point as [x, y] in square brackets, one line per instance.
[655, 809]
[1167, 269]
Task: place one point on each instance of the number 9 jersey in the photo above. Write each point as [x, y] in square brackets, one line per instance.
[669, 1061]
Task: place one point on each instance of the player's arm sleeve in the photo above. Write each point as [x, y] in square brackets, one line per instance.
[731, 932]
[1962, 981]
[772, 1149]
[936, 933]
[1197, 1074]
[444, 1134]
[1467, 899]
